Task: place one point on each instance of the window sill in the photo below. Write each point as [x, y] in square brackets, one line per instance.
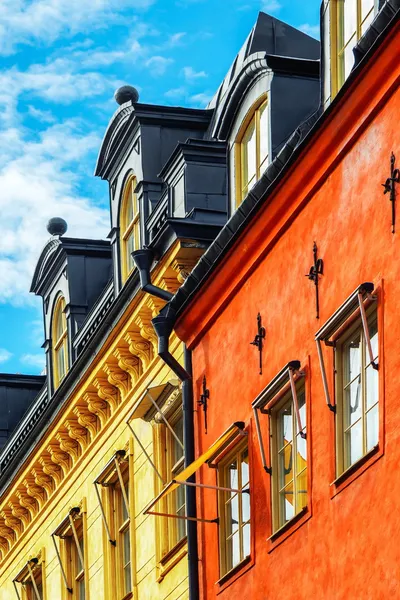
[234, 574]
[281, 534]
[169, 560]
[357, 469]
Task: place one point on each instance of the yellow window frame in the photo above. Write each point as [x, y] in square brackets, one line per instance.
[338, 44]
[342, 446]
[60, 343]
[253, 119]
[224, 498]
[129, 226]
[277, 521]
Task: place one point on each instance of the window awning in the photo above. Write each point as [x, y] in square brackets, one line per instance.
[355, 301]
[229, 436]
[66, 529]
[25, 573]
[104, 480]
[158, 394]
[285, 378]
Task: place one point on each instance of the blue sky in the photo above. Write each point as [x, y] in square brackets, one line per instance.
[60, 62]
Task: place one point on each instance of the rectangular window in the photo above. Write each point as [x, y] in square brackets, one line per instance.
[170, 462]
[357, 393]
[350, 20]
[75, 558]
[29, 583]
[289, 458]
[122, 528]
[234, 509]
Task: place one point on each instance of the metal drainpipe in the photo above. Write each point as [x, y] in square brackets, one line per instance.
[191, 508]
[163, 325]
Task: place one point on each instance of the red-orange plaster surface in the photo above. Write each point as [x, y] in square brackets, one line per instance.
[346, 547]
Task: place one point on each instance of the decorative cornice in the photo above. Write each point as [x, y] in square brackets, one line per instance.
[139, 347]
[129, 363]
[117, 377]
[107, 392]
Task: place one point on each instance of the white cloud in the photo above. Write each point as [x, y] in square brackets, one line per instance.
[270, 6]
[157, 65]
[176, 93]
[176, 38]
[44, 116]
[312, 30]
[201, 100]
[32, 21]
[191, 75]
[39, 179]
[5, 355]
[34, 360]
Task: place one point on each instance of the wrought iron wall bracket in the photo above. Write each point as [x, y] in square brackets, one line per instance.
[316, 270]
[390, 187]
[259, 339]
[204, 397]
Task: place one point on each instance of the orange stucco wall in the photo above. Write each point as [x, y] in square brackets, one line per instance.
[346, 546]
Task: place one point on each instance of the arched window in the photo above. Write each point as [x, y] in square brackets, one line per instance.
[349, 21]
[129, 227]
[252, 150]
[60, 342]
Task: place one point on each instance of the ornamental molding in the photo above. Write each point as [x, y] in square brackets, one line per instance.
[106, 387]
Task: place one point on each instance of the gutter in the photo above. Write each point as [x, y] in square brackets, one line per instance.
[164, 324]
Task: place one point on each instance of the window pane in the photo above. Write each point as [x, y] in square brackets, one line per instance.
[373, 334]
[354, 444]
[81, 589]
[352, 408]
[60, 358]
[232, 478]
[350, 19]
[245, 469]
[249, 156]
[246, 540]
[285, 425]
[301, 490]
[372, 427]
[301, 458]
[127, 560]
[60, 327]
[235, 544]
[264, 134]
[129, 211]
[285, 465]
[301, 399]
[178, 430]
[352, 353]
[232, 515]
[130, 247]
[349, 57]
[287, 504]
[245, 507]
[372, 386]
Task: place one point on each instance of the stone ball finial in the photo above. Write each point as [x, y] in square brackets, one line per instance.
[57, 226]
[126, 93]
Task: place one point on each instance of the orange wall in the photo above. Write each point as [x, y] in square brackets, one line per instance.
[346, 546]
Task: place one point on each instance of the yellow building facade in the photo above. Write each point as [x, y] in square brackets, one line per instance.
[54, 532]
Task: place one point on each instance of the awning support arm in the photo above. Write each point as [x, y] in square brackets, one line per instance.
[212, 487]
[296, 404]
[103, 515]
[33, 581]
[122, 484]
[164, 418]
[366, 331]
[146, 453]
[78, 548]
[198, 520]
[261, 442]
[61, 565]
[16, 589]
[331, 406]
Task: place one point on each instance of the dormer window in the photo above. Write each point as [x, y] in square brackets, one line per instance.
[252, 150]
[129, 227]
[350, 19]
[60, 342]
